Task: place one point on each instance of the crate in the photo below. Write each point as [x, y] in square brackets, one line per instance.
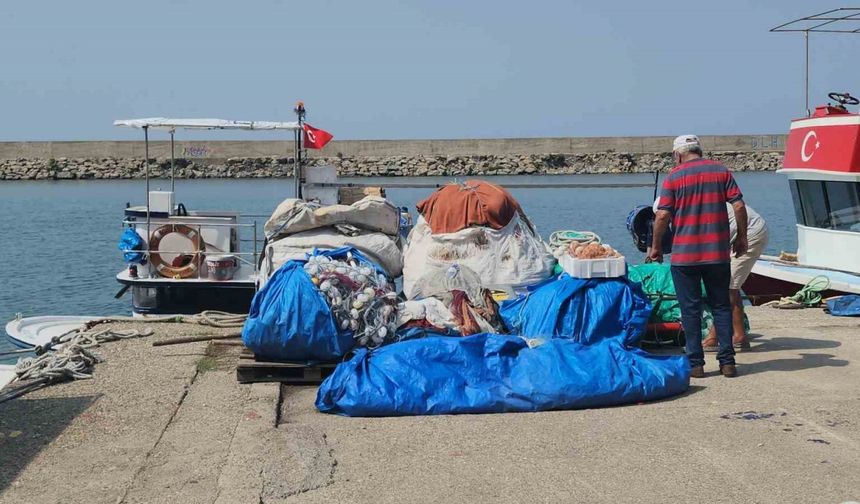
[349, 195]
[609, 267]
[251, 369]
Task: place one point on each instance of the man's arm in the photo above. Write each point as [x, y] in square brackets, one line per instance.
[739, 247]
[661, 224]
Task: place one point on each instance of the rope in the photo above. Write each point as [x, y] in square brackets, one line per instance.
[71, 359]
[211, 318]
[559, 241]
[69, 356]
[809, 296]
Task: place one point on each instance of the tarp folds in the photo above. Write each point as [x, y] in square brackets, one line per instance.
[455, 207]
[291, 320]
[510, 257]
[844, 306]
[656, 281]
[130, 243]
[488, 373]
[585, 310]
[371, 213]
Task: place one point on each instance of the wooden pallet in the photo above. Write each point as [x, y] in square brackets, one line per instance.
[250, 369]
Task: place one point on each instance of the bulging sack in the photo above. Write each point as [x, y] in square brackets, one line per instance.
[290, 318]
[512, 256]
[371, 213]
[585, 310]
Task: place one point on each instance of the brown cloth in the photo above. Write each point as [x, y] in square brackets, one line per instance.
[473, 203]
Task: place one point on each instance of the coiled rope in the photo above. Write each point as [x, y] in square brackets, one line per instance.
[69, 356]
[809, 296]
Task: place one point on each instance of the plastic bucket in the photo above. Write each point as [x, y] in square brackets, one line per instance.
[222, 267]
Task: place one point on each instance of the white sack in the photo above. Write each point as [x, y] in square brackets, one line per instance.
[377, 247]
[295, 216]
[431, 309]
[504, 259]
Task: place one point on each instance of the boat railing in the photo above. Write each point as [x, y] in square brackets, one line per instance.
[249, 258]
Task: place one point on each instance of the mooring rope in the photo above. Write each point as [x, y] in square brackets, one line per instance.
[69, 356]
[807, 297]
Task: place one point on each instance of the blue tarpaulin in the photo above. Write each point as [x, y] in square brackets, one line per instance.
[845, 306]
[585, 310]
[581, 333]
[129, 243]
[291, 320]
[490, 373]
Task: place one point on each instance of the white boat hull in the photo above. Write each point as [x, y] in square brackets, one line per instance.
[34, 331]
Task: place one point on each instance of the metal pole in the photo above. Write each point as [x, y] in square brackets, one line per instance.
[172, 166]
[300, 134]
[146, 164]
[656, 183]
[806, 83]
[297, 165]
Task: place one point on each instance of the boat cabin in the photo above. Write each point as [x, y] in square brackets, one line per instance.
[822, 163]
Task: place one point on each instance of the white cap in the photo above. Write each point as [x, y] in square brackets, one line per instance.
[686, 141]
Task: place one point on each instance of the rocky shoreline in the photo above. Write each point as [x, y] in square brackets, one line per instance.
[387, 166]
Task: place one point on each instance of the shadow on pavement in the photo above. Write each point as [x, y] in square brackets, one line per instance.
[28, 425]
[778, 343]
[805, 361]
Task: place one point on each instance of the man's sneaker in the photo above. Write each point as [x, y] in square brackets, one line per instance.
[729, 370]
[697, 372]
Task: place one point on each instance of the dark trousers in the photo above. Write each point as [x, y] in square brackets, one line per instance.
[688, 286]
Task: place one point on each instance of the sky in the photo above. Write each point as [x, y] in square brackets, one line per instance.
[380, 69]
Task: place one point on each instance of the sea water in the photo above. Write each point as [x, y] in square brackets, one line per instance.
[58, 239]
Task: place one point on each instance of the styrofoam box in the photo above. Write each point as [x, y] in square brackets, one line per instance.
[609, 267]
[161, 202]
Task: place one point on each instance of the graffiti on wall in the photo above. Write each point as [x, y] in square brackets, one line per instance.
[767, 142]
[198, 151]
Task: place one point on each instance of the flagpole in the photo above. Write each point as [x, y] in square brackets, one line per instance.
[300, 113]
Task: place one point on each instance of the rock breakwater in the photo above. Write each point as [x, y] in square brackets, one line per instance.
[386, 166]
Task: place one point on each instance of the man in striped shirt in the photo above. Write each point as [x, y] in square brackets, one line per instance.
[694, 196]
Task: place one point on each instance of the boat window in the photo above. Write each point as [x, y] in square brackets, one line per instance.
[795, 198]
[844, 202]
[812, 196]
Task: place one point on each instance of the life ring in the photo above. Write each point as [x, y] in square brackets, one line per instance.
[168, 270]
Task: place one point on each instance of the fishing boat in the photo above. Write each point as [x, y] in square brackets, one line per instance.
[822, 165]
[185, 261]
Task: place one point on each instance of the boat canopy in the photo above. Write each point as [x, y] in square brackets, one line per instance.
[164, 123]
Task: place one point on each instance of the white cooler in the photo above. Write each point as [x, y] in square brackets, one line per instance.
[609, 267]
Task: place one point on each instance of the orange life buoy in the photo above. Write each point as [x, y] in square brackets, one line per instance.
[168, 270]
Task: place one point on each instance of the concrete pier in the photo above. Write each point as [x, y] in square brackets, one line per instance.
[171, 424]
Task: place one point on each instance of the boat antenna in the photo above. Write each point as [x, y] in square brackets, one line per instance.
[842, 20]
[172, 165]
[299, 137]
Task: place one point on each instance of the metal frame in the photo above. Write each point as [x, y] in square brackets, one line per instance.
[170, 125]
[823, 22]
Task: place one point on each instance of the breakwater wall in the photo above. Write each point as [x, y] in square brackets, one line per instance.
[270, 159]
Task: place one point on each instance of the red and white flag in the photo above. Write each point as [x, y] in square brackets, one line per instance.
[316, 138]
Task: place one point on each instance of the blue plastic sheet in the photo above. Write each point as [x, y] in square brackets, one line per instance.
[291, 320]
[488, 373]
[845, 306]
[585, 310]
[129, 243]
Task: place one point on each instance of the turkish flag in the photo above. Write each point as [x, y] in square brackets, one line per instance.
[316, 138]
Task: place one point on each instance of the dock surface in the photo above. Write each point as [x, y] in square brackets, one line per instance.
[171, 424]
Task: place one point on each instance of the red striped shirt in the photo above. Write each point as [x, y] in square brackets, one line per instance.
[696, 194]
